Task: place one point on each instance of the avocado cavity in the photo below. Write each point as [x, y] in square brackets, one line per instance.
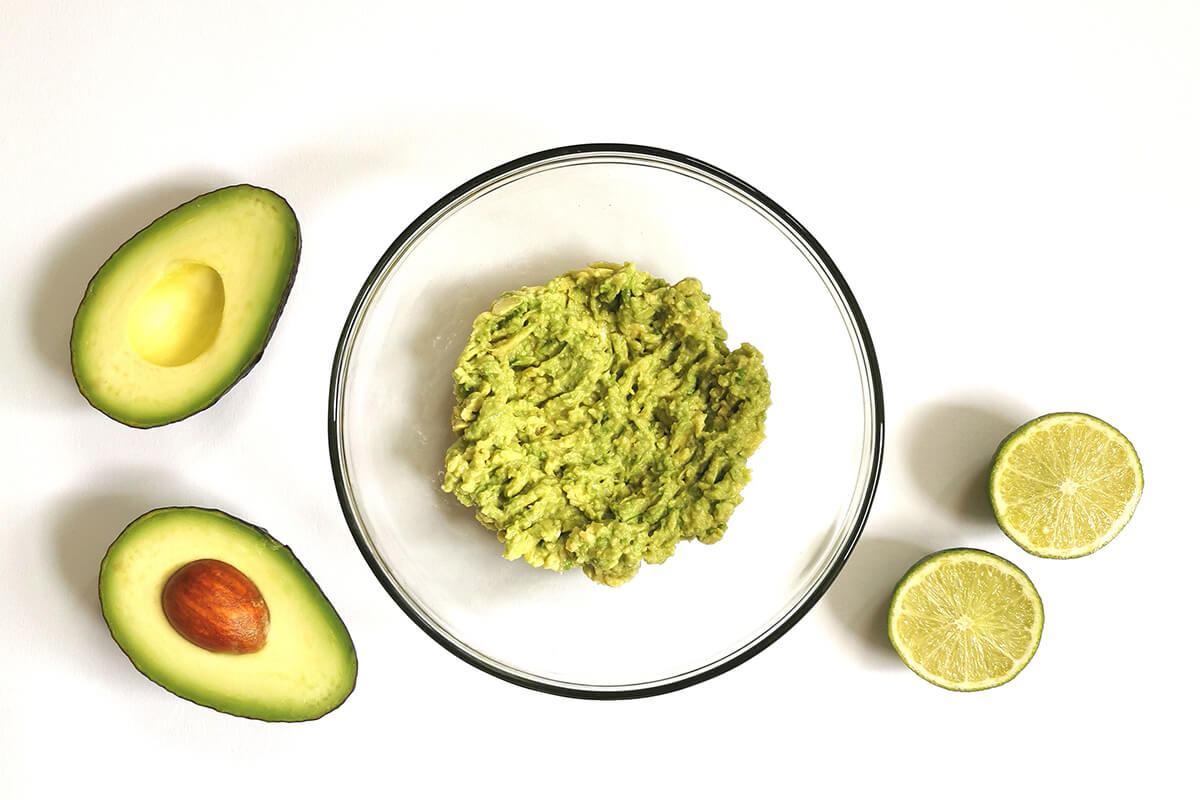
[177, 319]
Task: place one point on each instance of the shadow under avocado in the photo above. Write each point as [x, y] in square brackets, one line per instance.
[82, 246]
[83, 530]
[860, 597]
[949, 449]
[85, 527]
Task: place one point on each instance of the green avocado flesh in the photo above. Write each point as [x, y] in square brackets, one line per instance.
[180, 312]
[308, 664]
[601, 420]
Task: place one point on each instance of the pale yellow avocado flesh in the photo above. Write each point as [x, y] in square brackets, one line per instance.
[178, 317]
[183, 309]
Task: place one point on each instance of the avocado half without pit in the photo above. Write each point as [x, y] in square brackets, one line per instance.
[183, 310]
[215, 610]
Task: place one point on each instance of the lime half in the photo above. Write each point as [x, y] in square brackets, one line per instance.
[1065, 484]
[965, 619]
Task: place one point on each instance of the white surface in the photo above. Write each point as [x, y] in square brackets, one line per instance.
[1010, 189]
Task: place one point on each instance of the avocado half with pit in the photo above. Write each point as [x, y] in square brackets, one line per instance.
[183, 310]
[215, 610]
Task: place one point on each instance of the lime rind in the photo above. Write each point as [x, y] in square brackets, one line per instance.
[1022, 434]
[919, 571]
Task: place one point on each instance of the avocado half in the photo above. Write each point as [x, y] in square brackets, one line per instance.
[307, 666]
[182, 311]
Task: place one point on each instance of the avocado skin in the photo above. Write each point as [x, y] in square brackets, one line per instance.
[276, 543]
[283, 298]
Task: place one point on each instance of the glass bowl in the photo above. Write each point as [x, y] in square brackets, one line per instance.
[709, 607]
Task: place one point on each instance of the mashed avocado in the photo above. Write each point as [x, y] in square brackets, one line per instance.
[601, 420]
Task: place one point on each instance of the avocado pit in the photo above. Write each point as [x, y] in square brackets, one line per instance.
[215, 606]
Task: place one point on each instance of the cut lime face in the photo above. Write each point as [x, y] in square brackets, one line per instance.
[965, 619]
[1064, 485]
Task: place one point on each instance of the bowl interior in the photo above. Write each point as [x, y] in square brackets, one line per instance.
[705, 605]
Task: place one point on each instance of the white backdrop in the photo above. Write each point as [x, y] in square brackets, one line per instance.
[1009, 188]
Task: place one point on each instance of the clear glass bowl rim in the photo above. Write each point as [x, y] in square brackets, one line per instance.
[646, 156]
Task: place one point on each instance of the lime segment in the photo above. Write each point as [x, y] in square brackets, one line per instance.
[1064, 485]
[965, 619]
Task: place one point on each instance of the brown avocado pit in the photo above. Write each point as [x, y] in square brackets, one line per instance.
[215, 606]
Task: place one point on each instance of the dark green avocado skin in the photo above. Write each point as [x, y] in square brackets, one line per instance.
[287, 289]
[297, 564]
